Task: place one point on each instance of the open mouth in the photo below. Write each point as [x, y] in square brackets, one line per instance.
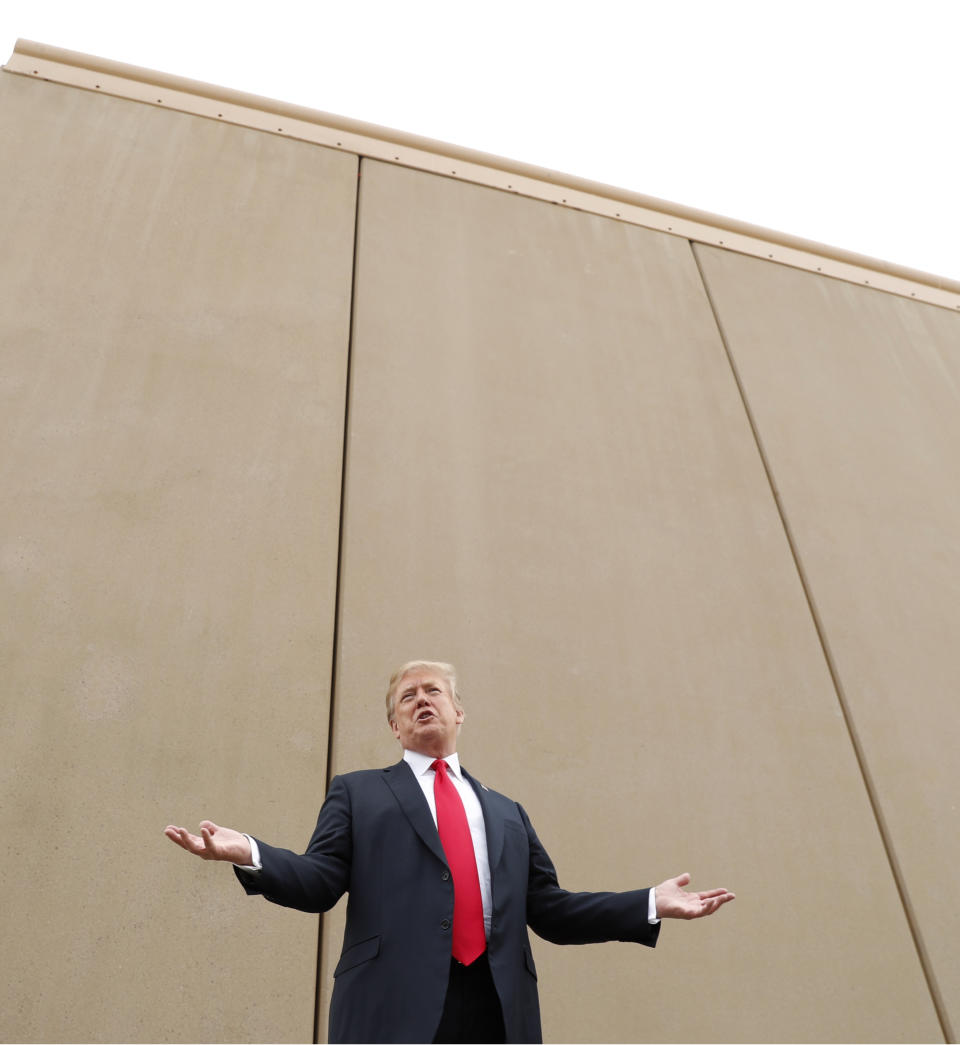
[425, 715]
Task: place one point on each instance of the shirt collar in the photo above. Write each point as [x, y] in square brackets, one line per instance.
[421, 764]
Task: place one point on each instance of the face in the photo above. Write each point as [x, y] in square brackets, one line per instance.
[425, 718]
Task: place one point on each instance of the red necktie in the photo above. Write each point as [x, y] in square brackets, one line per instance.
[469, 939]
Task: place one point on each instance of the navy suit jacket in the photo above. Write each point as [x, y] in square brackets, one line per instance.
[376, 840]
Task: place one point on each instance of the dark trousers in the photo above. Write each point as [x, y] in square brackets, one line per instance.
[471, 1012]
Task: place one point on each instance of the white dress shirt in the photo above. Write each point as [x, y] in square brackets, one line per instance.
[420, 764]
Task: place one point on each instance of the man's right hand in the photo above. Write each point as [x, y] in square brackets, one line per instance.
[213, 843]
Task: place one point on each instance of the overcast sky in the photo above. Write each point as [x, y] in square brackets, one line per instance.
[836, 121]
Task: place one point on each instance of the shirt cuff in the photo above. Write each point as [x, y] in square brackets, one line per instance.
[256, 865]
[651, 904]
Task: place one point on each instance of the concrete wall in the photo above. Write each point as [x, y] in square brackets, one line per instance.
[685, 521]
[174, 360]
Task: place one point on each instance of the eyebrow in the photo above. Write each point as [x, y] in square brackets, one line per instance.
[427, 684]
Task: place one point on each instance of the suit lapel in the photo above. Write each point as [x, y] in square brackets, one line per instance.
[410, 796]
[492, 821]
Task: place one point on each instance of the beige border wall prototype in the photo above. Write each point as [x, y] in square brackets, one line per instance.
[173, 92]
[174, 361]
[857, 409]
[582, 521]
[677, 494]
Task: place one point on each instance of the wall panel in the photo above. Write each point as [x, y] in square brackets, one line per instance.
[856, 396]
[175, 301]
[551, 481]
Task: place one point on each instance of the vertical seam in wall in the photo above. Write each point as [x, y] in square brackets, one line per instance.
[336, 598]
[925, 963]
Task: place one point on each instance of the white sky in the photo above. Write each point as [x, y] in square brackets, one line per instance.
[836, 121]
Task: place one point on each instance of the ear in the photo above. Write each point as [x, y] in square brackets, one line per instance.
[460, 716]
[395, 728]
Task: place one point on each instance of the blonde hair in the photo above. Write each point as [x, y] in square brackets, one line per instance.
[447, 672]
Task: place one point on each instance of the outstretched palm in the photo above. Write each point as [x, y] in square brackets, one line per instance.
[213, 842]
[673, 901]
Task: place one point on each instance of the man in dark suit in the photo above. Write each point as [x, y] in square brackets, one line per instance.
[444, 876]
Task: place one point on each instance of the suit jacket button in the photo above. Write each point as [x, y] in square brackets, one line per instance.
[445, 924]
[445, 876]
